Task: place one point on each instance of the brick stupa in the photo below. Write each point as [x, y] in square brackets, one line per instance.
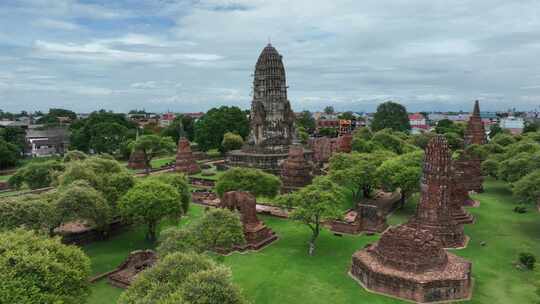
[136, 160]
[460, 196]
[474, 134]
[409, 261]
[185, 162]
[295, 170]
[256, 233]
[433, 212]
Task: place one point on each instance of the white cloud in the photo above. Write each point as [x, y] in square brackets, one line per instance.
[56, 24]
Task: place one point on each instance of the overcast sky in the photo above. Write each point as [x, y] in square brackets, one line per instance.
[187, 56]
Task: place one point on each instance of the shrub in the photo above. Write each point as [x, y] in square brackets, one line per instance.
[527, 259]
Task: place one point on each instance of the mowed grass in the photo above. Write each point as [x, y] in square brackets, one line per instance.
[284, 273]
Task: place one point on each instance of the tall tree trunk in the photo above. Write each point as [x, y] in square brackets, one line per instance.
[402, 199]
[151, 234]
[314, 236]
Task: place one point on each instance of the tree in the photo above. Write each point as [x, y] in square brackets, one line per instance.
[314, 204]
[82, 202]
[36, 174]
[37, 269]
[329, 110]
[530, 127]
[503, 139]
[328, 132]
[187, 278]
[74, 155]
[388, 140]
[519, 165]
[490, 167]
[150, 201]
[527, 188]
[391, 115]
[180, 183]
[494, 130]
[54, 114]
[15, 136]
[403, 173]
[107, 137]
[9, 154]
[306, 121]
[35, 212]
[421, 140]
[356, 171]
[152, 146]
[181, 126]
[256, 181]
[455, 141]
[231, 141]
[347, 116]
[210, 129]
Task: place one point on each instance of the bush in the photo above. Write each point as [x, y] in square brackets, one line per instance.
[74, 155]
[231, 141]
[36, 174]
[520, 209]
[527, 259]
[255, 181]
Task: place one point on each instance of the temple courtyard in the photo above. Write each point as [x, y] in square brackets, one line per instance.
[284, 273]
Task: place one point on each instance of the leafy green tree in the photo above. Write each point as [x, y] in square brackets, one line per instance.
[15, 136]
[177, 128]
[52, 116]
[347, 116]
[530, 127]
[494, 130]
[402, 172]
[357, 171]
[329, 110]
[306, 121]
[388, 140]
[80, 201]
[514, 168]
[180, 183]
[391, 115]
[445, 126]
[231, 141]
[219, 229]
[527, 188]
[490, 167]
[150, 201]
[9, 154]
[35, 212]
[455, 141]
[107, 137]
[303, 136]
[152, 146]
[74, 155]
[36, 175]
[210, 129]
[256, 181]
[421, 140]
[503, 139]
[37, 269]
[328, 132]
[183, 277]
[314, 204]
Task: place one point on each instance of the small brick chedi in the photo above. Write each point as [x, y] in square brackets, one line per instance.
[256, 233]
[434, 209]
[272, 119]
[136, 160]
[474, 134]
[128, 271]
[459, 196]
[295, 170]
[409, 261]
[185, 162]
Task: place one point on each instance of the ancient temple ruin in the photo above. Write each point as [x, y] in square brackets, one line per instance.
[136, 160]
[459, 196]
[127, 272]
[272, 119]
[256, 233]
[295, 170]
[409, 262]
[185, 161]
[433, 212]
[474, 134]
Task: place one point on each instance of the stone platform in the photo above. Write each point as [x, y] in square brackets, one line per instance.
[136, 262]
[266, 161]
[449, 283]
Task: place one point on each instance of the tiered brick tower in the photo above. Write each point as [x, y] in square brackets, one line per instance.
[474, 134]
[295, 170]
[185, 162]
[256, 233]
[272, 119]
[136, 160]
[459, 196]
[433, 212]
[409, 261]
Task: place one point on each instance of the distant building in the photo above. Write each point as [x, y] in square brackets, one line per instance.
[418, 123]
[196, 115]
[46, 142]
[166, 119]
[13, 123]
[514, 124]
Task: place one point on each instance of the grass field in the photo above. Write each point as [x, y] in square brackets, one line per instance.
[283, 273]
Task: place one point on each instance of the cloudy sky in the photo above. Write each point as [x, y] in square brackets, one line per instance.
[190, 55]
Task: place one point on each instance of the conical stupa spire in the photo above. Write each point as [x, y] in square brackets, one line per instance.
[476, 110]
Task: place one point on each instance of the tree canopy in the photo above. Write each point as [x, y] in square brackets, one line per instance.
[152, 146]
[37, 269]
[231, 141]
[210, 129]
[391, 115]
[305, 120]
[255, 181]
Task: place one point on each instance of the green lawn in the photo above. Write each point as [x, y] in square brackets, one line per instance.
[4, 178]
[283, 273]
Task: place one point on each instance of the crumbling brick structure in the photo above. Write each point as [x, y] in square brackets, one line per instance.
[410, 263]
[434, 209]
[295, 170]
[474, 134]
[136, 262]
[136, 160]
[185, 161]
[256, 233]
[459, 196]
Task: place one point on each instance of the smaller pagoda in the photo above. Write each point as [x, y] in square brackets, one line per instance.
[474, 134]
[136, 160]
[295, 170]
[256, 233]
[433, 212]
[460, 196]
[185, 161]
